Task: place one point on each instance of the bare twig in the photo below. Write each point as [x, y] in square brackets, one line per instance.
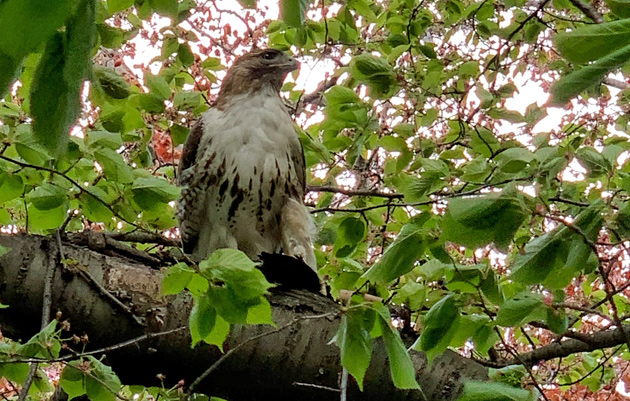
[90, 279]
[317, 386]
[343, 388]
[46, 307]
[600, 365]
[588, 10]
[225, 356]
[354, 192]
[142, 237]
[76, 184]
[99, 351]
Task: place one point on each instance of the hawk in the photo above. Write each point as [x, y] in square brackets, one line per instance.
[242, 170]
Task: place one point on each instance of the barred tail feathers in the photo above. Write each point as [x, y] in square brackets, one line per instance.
[298, 231]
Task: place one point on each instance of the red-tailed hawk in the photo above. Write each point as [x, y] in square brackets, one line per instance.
[242, 170]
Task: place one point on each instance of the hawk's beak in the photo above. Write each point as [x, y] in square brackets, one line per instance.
[290, 65]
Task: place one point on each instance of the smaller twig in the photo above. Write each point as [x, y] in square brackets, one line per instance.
[317, 386]
[142, 237]
[46, 307]
[343, 388]
[588, 10]
[600, 365]
[103, 350]
[225, 356]
[316, 95]
[580, 308]
[568, 201]
[354, 192]
[90, 279]
[73, 182]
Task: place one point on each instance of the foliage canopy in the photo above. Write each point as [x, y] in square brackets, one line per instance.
[442, 179]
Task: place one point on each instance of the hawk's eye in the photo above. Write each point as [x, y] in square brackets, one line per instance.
[269, 55]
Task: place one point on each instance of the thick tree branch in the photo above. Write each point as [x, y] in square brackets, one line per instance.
[271, 363]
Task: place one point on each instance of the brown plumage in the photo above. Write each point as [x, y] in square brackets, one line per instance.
[242, 169]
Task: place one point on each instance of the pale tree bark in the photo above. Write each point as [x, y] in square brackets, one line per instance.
[113, 299]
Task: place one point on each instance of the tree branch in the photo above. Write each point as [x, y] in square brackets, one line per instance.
[354, 192]
[603, 339]
[588, 10]
[272, 362]
[76, 184]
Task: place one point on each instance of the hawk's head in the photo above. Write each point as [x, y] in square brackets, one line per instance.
[256, 69]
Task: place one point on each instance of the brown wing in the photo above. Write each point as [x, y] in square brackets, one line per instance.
[189, 154]
[299, 163]
[188, 211]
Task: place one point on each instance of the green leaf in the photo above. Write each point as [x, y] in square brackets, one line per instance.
[519, 309]
[198, 285]
[577, 81]
[185, 55]
[107, 139]
[237, 271]
[514, 160]
[416, 189]
[595, 162]
[11, 186]
[72, 380]
[350, 233]
[92, 208]
[158, 86]
[102, 384]
[484, 142]
[400, 257]
[620, 7]
[338, 95]
[179, 134]
[112, 84]
[593, 41]
[557, 320]
[96, 380]
[376, 73]
[115, 167]
[229, 305]
[8, 72]
[354, 341]
[260, 313]
[151, 103]
[168, 8]
[42, 220]
[478, 221]
[47, 196]
[402, 370]
[547, 254]
[152, 192]
[24, 25]
[489, 391]
[219, 333]
[202, 319]
[186, 100]
[440, 324]
[58, 79]
[293, 12]
[113, 6]
[176, 279]
[43, 344]
[248, 3]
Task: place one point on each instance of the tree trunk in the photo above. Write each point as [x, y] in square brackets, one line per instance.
[296, 363]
